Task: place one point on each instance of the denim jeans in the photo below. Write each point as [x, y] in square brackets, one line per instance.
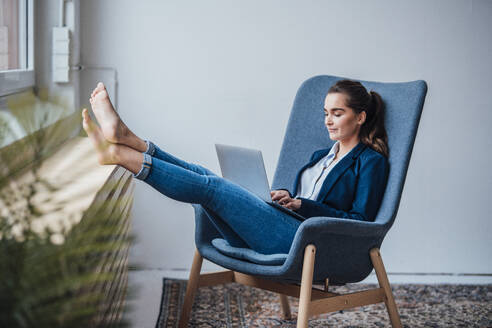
[243, 219]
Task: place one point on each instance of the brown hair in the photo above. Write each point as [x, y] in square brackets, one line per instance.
[372, 132]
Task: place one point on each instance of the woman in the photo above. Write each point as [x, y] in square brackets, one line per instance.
[354, 190]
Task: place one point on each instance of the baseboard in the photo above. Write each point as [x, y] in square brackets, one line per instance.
[434, 278]
[394, 278]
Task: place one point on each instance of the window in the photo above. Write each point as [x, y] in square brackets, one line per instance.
[16, 46]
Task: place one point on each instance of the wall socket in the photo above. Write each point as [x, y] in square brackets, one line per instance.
[61, 54]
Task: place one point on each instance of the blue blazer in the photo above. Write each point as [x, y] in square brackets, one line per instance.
[353, 189]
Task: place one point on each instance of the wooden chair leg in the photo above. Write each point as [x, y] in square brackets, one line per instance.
[284, 301]
[306, 286]
[191, 289]
[389, 300]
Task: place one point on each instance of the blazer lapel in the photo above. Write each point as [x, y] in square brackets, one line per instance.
[317, 156]
[339, 169]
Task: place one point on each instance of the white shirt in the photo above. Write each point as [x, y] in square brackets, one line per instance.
[313, 177]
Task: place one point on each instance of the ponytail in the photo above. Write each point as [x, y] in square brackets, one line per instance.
[372, 132]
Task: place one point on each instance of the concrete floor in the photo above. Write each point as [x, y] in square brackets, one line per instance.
[144, 304]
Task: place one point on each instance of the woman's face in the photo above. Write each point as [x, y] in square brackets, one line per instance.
[341, 121]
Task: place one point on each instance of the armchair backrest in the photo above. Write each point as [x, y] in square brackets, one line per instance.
[306, 133]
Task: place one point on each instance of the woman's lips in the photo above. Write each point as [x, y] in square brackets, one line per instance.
[332, 130]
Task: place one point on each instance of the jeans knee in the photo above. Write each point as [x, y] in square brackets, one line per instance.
[221, 191]
[212, 187]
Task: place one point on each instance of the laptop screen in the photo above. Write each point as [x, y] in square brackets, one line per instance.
[245, 167]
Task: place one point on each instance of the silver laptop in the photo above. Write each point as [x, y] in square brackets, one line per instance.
[246, 168]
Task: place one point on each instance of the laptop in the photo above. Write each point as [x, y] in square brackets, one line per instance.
[245, 167]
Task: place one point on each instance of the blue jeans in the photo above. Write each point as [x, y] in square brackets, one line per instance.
[242, 218]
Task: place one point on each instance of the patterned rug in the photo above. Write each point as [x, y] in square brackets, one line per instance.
[235, 305]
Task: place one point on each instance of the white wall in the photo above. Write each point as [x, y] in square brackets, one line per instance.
[192, 73]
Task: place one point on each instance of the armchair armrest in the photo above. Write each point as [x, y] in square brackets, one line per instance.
[330, 225]
[323, 231]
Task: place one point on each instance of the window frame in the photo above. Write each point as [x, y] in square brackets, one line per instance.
[18, 80]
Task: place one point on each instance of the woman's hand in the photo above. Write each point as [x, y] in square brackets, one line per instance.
[283, 198]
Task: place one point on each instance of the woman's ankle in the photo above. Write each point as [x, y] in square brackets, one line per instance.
[129, 158]
[141, 145]
[134, 142]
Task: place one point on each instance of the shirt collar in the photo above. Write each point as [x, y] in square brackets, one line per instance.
[332, 153]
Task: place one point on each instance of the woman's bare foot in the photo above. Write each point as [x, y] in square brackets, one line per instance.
[106, 151]
[110, 153]
[112, 127]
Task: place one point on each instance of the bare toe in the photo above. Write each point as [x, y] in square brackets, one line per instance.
[85, 114]
[102, 94]
[100, 87]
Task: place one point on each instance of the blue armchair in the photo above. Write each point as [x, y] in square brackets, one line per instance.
[325, 250]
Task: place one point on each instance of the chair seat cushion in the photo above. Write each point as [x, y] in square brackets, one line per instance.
[248, 254]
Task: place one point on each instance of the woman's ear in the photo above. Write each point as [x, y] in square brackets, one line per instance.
[361, 118]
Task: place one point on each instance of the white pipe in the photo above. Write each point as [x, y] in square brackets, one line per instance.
[1, 12]
[102, 68]
[61, 13]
